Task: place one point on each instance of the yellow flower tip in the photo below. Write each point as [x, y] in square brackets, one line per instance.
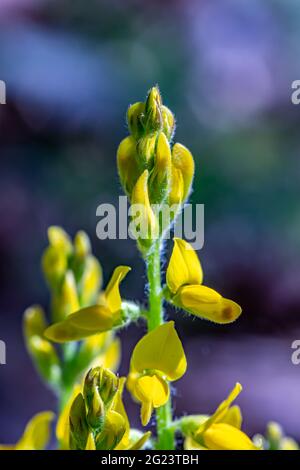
[184, 266]
[230, 311]
[112, 292]
[34, 321]
[146, 412]
[82, 244]
[58, 238]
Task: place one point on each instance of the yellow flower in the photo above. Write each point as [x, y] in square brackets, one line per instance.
[157, 358]
[221, 431]
[184, 281]
[95, 319]
[36, 435]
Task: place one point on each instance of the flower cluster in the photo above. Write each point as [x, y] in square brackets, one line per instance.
[78, 353]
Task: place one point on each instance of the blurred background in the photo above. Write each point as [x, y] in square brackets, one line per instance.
[225, 68]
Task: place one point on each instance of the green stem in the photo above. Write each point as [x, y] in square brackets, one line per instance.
[165, 434]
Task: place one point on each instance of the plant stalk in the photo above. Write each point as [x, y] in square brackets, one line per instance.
[165, 433]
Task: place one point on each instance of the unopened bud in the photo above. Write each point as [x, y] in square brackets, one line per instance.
[54, 265]
[134, 119]
[82, 245]
[59, 239]
[168, 121]
[34, 321]
[112, 433]
[90, 282]
[183, 161]
[128, 167]
[79, 430]
[153, 111]
[160, 179]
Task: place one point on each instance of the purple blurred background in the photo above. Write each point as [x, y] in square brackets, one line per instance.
[225, 68]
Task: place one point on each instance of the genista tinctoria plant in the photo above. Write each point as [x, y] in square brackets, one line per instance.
[78, 354]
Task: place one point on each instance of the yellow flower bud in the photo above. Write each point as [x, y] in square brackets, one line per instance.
[59, 239]
[153, 113]
[183, 161]
[34, 321]
[144, 224]
[128, 167]
[168, 122]
[177, 187]
[146, 148]
[90, 282]
[79, 430]
[134, 119]
[159, 182]
[95, 405]
[66, 300]
[113, 431]
[54, 265]
[82, 245]
[41, 351]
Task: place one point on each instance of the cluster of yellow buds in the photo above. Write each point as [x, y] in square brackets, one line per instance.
[74, 277]
[152, 171]
[73, 274]
[96, 419]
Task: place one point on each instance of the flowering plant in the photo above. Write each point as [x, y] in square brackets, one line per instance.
[78, 354]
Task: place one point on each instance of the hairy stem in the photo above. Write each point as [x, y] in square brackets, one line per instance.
[165, 434]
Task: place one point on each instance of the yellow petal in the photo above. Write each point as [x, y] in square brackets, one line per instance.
[184, 266]
[222, 436]
[177, 187]
[161, 349]
[161, 174]
[91, 281]
[147, 225]
[112, 433]
[58, 238]
[112, 292]
[220, 412]
[233, 417]
[127, 164]
[207, 303]
[183, 160]
[37, 432]
[86, 322]
[153, 390]
[118, 406]
[63, 423]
